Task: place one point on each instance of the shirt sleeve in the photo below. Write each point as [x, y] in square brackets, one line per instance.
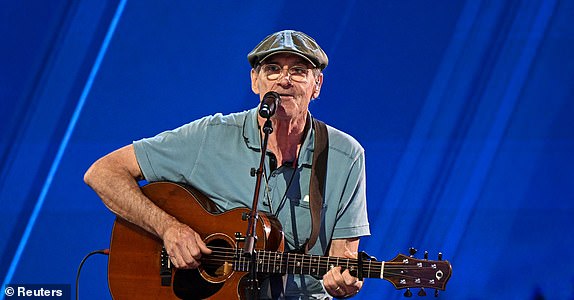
[352, 220]
[171, 155]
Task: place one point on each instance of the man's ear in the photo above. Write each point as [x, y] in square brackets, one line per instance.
[317, 88]
[254, 82]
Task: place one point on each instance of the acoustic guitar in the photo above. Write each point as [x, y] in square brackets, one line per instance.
[139, 267]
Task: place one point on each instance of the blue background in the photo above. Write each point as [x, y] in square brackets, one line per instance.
[464, 109]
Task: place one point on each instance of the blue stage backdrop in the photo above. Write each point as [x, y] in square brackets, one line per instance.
[465, 110]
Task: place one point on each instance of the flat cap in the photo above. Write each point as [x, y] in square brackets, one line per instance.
[289, 41]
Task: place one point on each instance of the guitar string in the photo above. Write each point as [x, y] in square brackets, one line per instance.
[215, 259]
[233, 252]
[322, 270]
[386, 272]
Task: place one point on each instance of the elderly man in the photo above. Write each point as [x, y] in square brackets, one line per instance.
[215, 154]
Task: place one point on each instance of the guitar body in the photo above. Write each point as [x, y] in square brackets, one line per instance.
[140, 269]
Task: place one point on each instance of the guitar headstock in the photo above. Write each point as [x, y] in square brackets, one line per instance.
[408, 272]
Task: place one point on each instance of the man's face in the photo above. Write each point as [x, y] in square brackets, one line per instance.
[292, 77]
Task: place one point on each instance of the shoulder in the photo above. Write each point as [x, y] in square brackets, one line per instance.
[223, 123]
[214, 122]
[343, 143]
[232, 119]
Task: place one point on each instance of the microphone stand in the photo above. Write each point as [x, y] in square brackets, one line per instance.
[251, 236]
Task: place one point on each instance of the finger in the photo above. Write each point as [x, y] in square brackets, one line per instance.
[349, 279]
[336, 284]
[178, 262]
[193, 256]
[352, 284]
[201, 244]
[173, 260]
[184, 259]
[186, 245]
[338, 291]
[337, 276]
[182, 255]
[329, 283]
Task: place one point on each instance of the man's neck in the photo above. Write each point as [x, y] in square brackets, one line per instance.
[287, 137]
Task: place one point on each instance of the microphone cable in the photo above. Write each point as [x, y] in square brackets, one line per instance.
[102, 251]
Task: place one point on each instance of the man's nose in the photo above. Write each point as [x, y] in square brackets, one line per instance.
[285, 77]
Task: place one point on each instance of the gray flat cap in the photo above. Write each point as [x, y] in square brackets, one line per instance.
[289, 41]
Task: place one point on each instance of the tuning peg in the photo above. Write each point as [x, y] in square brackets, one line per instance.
[426, 255]
[408, 293]
[440, 256]
[422, 292]
[412, 251]
[436, 293]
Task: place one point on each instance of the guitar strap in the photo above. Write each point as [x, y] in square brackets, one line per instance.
[316, 197]
[318, 179]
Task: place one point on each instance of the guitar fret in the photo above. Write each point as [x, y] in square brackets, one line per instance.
[282, 263]
[324, 266]
[313, 269]
[273, 257]
[260, 266]
[313, 265]
[299, 261]
[274, 262]
[369, 270]
[319, 264]
[268, 260]
[270, 263]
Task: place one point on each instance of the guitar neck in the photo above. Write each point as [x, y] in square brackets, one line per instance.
[305, 264]
[402, 271]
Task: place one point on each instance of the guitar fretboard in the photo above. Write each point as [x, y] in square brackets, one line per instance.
[293, 263]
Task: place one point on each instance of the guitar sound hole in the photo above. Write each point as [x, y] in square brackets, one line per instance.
[219, 264]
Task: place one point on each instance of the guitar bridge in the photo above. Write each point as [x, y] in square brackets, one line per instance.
[165, 268]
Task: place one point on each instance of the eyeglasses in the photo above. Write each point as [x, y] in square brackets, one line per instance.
[297, 73]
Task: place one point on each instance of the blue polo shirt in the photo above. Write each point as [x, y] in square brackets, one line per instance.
[215, 154]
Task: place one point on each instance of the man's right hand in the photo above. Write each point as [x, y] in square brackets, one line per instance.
[184, 246]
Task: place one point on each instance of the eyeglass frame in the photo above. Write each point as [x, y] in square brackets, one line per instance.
[316, 71]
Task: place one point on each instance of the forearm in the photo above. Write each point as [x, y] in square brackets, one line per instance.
[116, 184]
[342, 247]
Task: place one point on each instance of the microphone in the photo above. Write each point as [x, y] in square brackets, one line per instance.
[269, 104]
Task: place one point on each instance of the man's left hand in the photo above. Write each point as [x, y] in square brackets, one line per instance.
[342, 284]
